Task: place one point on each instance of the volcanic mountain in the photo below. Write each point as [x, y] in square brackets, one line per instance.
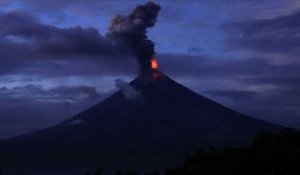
[155, 129]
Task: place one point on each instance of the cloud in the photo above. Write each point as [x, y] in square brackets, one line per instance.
[128, 91]
[235, 95]
[31, 107]
[60, 94]
[28, 46]
[21, 29]
[270, 35]
[280, 81]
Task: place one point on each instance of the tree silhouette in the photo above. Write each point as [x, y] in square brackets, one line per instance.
[153, 173]
[131, 172]
[118, 172]
[99, 171]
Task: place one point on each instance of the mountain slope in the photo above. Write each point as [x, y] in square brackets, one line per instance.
[154, 130]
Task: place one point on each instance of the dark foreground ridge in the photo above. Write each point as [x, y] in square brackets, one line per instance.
[155, 129]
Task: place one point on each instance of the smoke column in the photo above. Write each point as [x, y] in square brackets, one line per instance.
[128, 32]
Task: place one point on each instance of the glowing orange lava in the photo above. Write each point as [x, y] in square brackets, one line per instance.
[154, 64]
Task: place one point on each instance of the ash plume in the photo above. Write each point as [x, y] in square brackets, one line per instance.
[128, 33]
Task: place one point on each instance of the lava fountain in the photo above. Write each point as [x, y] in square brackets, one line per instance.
[154, 68]
[154, 63]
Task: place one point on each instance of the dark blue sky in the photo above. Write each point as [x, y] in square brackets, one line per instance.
[55, 60]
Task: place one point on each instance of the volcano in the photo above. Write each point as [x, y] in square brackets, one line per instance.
[154, 130]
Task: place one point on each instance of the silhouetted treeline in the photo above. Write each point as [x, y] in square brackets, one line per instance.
[269, 154]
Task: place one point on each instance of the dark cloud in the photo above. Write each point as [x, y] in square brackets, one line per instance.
[276, 35]
[28, 45]
[86, 67]
[24, 30]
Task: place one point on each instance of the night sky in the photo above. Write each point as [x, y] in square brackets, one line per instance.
[55, 60]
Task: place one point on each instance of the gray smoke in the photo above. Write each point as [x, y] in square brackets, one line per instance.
[129, 33]
[128, 91]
